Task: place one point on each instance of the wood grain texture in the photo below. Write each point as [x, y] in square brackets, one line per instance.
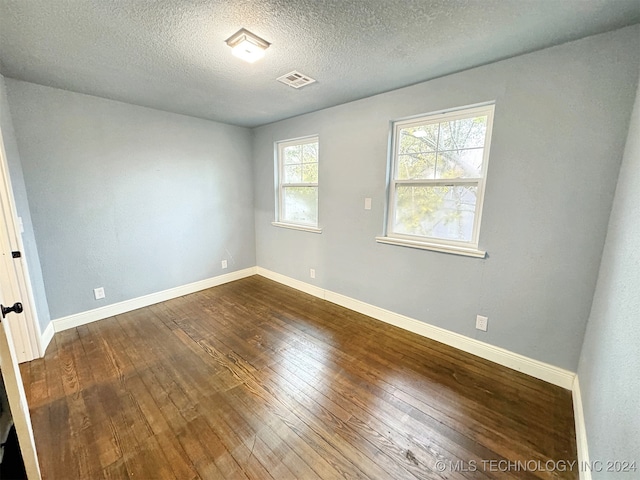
[255, 380]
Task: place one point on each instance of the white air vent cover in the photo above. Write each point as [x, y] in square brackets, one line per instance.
[295, 79]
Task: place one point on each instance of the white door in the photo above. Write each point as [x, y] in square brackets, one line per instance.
[9, 295]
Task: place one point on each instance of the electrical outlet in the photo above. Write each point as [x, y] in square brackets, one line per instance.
[367, 203]
[224, 264]
[98, 293]
[481, 323]
[312, 272]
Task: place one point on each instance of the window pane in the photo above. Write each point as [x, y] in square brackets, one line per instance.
[460, 163]
[300, 205]
[445, 212]
[465, 133]
[292, 174]
[418, 139]
[416, 166]
[292, 154]
[310, 173]
[310, 152]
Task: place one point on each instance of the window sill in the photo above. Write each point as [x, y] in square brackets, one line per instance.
[293, 226]
[452, 249]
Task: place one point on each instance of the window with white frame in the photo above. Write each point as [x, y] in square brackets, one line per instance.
[437, 179]
[297, 181]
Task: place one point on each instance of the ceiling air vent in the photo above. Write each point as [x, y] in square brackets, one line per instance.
[295, 79]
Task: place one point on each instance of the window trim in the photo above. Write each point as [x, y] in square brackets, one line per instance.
[297, 226]
[432, 243]
[279, 146]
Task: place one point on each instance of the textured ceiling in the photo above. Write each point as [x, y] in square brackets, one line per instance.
[171, 55]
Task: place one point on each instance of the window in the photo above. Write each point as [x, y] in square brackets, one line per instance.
[437, 179]
[297, 181]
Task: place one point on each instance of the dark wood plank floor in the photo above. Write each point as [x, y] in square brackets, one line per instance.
[255, 380]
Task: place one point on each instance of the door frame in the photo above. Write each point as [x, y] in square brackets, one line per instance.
[27, 336]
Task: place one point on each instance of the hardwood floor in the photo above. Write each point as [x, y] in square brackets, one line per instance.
[255, 380]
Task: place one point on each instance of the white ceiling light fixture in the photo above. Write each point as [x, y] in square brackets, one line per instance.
[247, 46]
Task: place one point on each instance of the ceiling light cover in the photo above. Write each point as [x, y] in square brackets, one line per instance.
[247, 46]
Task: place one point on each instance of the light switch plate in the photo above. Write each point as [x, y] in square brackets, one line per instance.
[367, 203]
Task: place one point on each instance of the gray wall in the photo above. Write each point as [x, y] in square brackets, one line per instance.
[559, 132]
[128, 198]
[22, 207]
[610, 361]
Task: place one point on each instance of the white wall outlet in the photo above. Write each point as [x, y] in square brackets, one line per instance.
[224, 264]
[312, 272]
[367, 203]
[98, 293]
[481, 323]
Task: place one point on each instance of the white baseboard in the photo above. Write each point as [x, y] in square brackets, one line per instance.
[515, 361]
[82, 318]
[292, 282]
[581, 431]
[45, 338]
[535, 368]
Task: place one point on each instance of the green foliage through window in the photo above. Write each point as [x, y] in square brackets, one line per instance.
[439, 166]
